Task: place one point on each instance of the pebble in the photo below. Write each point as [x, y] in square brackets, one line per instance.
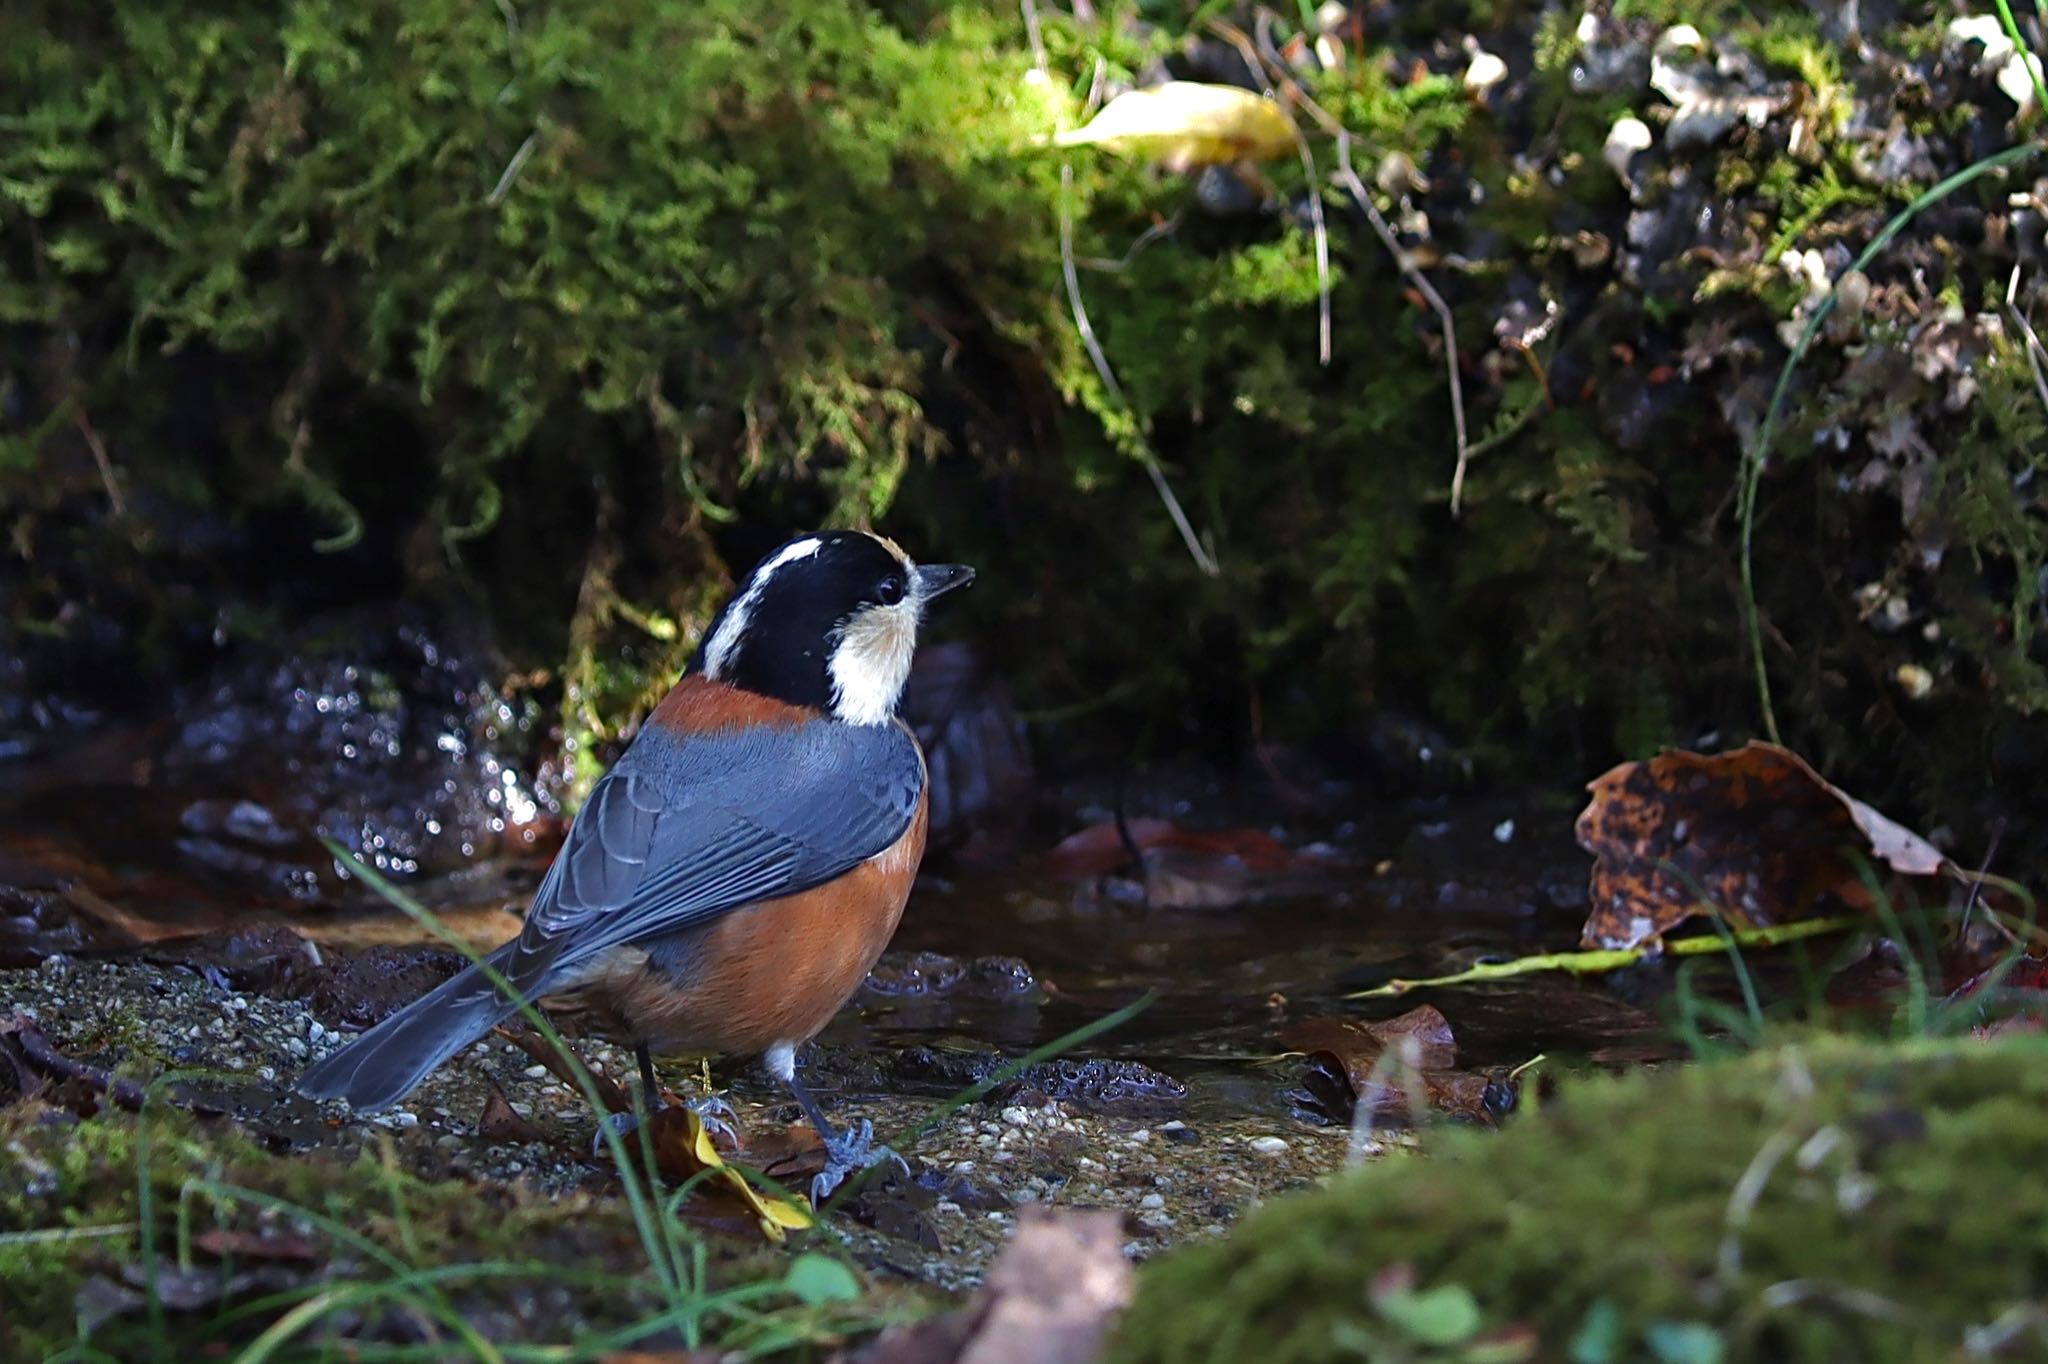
[1152, 1200]
[1269, 1146]
[536, 1072]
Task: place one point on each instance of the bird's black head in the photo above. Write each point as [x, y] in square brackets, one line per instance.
[828, 620]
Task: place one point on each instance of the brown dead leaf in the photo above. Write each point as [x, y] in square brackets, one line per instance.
[1100, 849]
[674, 1136]
[1386, 1064]
[1755, 835]
[1178, 868]
[1050, 1298]
[499, 1122]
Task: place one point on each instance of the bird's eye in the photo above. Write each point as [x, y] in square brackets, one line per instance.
[890, 590]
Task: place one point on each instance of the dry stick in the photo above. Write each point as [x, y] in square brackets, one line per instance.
[1348, 178]
[103, 460]
[1115, 390]
[2033, 346]
[1315, 198]
[1201, 556]
[1598, 962]
[1256, 64]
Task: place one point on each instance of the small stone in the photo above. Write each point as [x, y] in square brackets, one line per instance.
[1143, 1134]
[536, 1072]
[1269, 1146]
[1628, 136]
[1152, 1200]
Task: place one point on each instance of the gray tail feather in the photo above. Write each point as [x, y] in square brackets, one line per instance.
[384, 1064]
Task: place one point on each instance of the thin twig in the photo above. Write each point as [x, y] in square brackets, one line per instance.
[1156, 232]
[1599, 961]
[1203, 559]
[2033, 346]
[512, 169]
[1276, 70]
[101, 458]
[1037, 38]
[1348, 178]
[1315, 205]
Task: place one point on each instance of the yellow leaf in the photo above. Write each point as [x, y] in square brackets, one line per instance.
[1187, 124]
[776, 1214]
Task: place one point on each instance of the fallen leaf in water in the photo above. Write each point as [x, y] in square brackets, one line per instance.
[1050, 1298]
[1754, 835]
[1178, 868]
[1390, 1065]
[1184, 125]
[1101, 848]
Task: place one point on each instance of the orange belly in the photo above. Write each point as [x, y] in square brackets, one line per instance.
[775, 971]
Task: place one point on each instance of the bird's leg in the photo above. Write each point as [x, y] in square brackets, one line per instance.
[846, 1151]
[711, 1110]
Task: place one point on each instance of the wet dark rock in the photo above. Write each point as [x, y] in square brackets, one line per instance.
[368, 728]
[920, 973]
[265, 958]
[1104, 1085]
[360, 991]
[923, 974]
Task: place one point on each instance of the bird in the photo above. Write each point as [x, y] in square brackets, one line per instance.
[730, 881]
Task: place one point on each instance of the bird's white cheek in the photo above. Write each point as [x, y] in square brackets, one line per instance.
[871, 663]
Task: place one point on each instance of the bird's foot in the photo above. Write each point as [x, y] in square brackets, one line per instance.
[622, 1125]
[713, 1111]
[848, 1152]
[717, 1116]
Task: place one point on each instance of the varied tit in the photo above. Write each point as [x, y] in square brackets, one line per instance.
[732, 879]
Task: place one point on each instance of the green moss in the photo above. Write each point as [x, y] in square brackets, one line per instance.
[1893, 1210]
[571, 313]
[71, 1209]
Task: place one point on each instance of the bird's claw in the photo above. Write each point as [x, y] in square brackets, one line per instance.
[714, 1112]
[622, 1125]
[846, 1153]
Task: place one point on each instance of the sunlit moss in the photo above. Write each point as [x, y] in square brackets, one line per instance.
[1892, 1212]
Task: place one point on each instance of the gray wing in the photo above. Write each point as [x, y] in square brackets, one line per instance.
[684, 829]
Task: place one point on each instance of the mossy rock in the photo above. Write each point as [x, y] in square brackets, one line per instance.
[563, 313]
[1822, 1200]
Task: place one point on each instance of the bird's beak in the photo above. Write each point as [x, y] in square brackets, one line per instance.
[936, 579]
